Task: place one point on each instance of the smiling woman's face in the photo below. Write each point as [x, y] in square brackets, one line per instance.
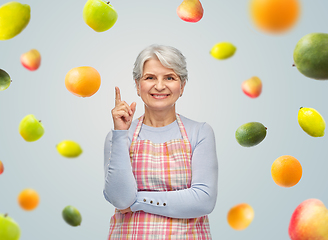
[159, 87]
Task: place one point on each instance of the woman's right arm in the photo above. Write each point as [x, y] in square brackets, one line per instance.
[120, 186]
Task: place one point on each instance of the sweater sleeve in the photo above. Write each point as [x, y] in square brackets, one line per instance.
[200, 198]
[120, 186]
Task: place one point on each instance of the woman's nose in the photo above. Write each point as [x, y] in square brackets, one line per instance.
[160, 84]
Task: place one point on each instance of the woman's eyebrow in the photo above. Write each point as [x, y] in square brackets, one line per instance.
[171, 74]
[147, 74]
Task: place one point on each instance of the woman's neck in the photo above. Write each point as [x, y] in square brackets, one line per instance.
[159, 118]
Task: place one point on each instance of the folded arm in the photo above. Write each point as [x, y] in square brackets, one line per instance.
[198, 200]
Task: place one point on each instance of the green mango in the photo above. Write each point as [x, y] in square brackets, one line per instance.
[250, 134]
[72, 216]
[14, 17]
[4, 80]
[311, 56]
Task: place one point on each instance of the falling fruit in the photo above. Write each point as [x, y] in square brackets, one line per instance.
[240, 216]
[9, 229]
[311, 54]
[252, 87]
[28, 199]
[30, 128]
[83, 81]
[286, 171]
[309, 221]
[250, 134]
[69, 148]
[31, 60]
[190, 10]
[223, 50]
[274, 16]
[311, 121]
[4, 80]
[99, 15]
[14, 17]
[72, 216]
[1, 168]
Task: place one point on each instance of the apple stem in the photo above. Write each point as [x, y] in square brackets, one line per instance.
[108, 2]
[301, 107]
[39, 120]
[6, 214]
[293, 65]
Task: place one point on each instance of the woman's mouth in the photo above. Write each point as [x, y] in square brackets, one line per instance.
[159, 96]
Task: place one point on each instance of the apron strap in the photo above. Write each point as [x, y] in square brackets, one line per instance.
[180, 124]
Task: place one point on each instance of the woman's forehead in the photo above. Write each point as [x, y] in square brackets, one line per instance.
[155, 67]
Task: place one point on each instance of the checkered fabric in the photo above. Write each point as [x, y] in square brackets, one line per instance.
[159, 167]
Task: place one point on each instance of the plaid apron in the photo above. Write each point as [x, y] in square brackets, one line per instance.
[159, 167]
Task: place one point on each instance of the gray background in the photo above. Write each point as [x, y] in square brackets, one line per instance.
[213, 94]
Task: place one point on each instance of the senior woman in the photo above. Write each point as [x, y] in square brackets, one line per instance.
[161, 170]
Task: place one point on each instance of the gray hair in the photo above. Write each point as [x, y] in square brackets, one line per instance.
[169, 57]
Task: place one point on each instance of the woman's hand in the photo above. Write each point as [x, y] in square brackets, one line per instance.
[125, 210]
[122, 113]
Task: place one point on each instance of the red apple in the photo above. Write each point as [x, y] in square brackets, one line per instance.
[309, 221]
[252, 87]
[1, 168]
[31, 59]
[190, 10]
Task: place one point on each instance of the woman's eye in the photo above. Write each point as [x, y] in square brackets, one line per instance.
[169, 78]
[150, 78]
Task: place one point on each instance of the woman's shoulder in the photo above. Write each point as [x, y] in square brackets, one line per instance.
[194, 127]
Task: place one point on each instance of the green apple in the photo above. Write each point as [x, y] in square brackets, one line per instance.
[4, 80]
[9, 229]
[30, 128]
[99, 15]
[14, 18]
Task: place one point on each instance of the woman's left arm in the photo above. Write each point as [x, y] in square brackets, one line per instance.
[200, 198]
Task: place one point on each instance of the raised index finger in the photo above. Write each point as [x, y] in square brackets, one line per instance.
[117, 96]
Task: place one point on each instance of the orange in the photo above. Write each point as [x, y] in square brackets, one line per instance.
[286, 171]
[28, 199]
[275, 16]
[240, 216]
[83, 81]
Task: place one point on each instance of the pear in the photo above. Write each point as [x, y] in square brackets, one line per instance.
[14, 17]
[99, 15]
[190, 10]
[30, 128]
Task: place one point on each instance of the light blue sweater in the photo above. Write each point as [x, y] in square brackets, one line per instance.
[120, 186]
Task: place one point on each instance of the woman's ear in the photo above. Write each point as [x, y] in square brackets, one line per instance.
[137, 86]
[182, 87]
